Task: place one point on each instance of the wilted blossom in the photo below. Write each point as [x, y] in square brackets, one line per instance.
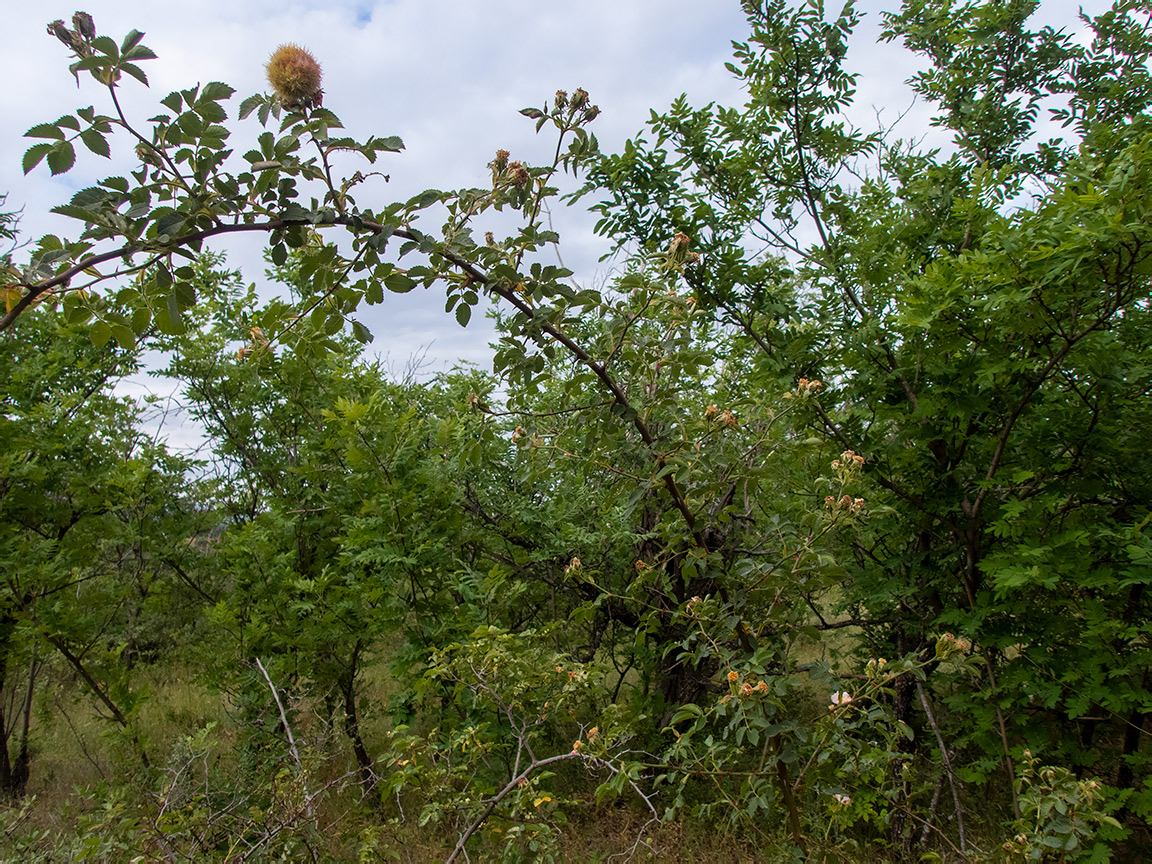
[841, 698]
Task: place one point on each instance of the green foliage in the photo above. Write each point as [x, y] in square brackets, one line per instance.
[848, 395]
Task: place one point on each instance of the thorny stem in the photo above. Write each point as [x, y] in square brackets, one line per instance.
[151, 147]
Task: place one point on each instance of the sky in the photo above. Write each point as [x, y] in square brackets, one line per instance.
[448, 76]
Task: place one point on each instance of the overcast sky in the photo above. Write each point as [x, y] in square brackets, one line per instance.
[448, 76]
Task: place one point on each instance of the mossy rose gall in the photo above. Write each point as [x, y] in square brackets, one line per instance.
[295, 76]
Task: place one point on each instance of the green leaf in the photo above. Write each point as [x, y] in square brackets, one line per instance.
[75, 310]
[463, 314]
[185, 295]
[362, 333]
[140, 52]
[398, 283]
[61, 157]
[99, 333]
[124, 336]
[95, 142]
[45, 130]
[216, 90]
[141, 318]
[391, 144]
[211, 112]
[136, 72]
[165, 323]
[34, 154]
[105, 45]
[172, 308]
[131, 40]
[249, 105]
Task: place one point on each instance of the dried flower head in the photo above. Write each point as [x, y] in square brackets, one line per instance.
[60, 30]
[733, 676]
[82, 21]
[295, 76]
[500, 162]
[518, 173]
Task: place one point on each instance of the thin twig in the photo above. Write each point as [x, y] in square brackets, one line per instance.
[945, 760]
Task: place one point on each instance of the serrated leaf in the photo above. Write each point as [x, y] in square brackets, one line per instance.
[61, 157]
[131, 40]
[250, 104]
[463, 314]
[45, 130]
[74, 212]
[533, 113]
[140, 52]
[211, 111]
[34, 154]
[172, 102]
[185, 295]
[136, 72]
[426, 198]
[215, 90]
[105, 45]
[362, 333]
[95, 142]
